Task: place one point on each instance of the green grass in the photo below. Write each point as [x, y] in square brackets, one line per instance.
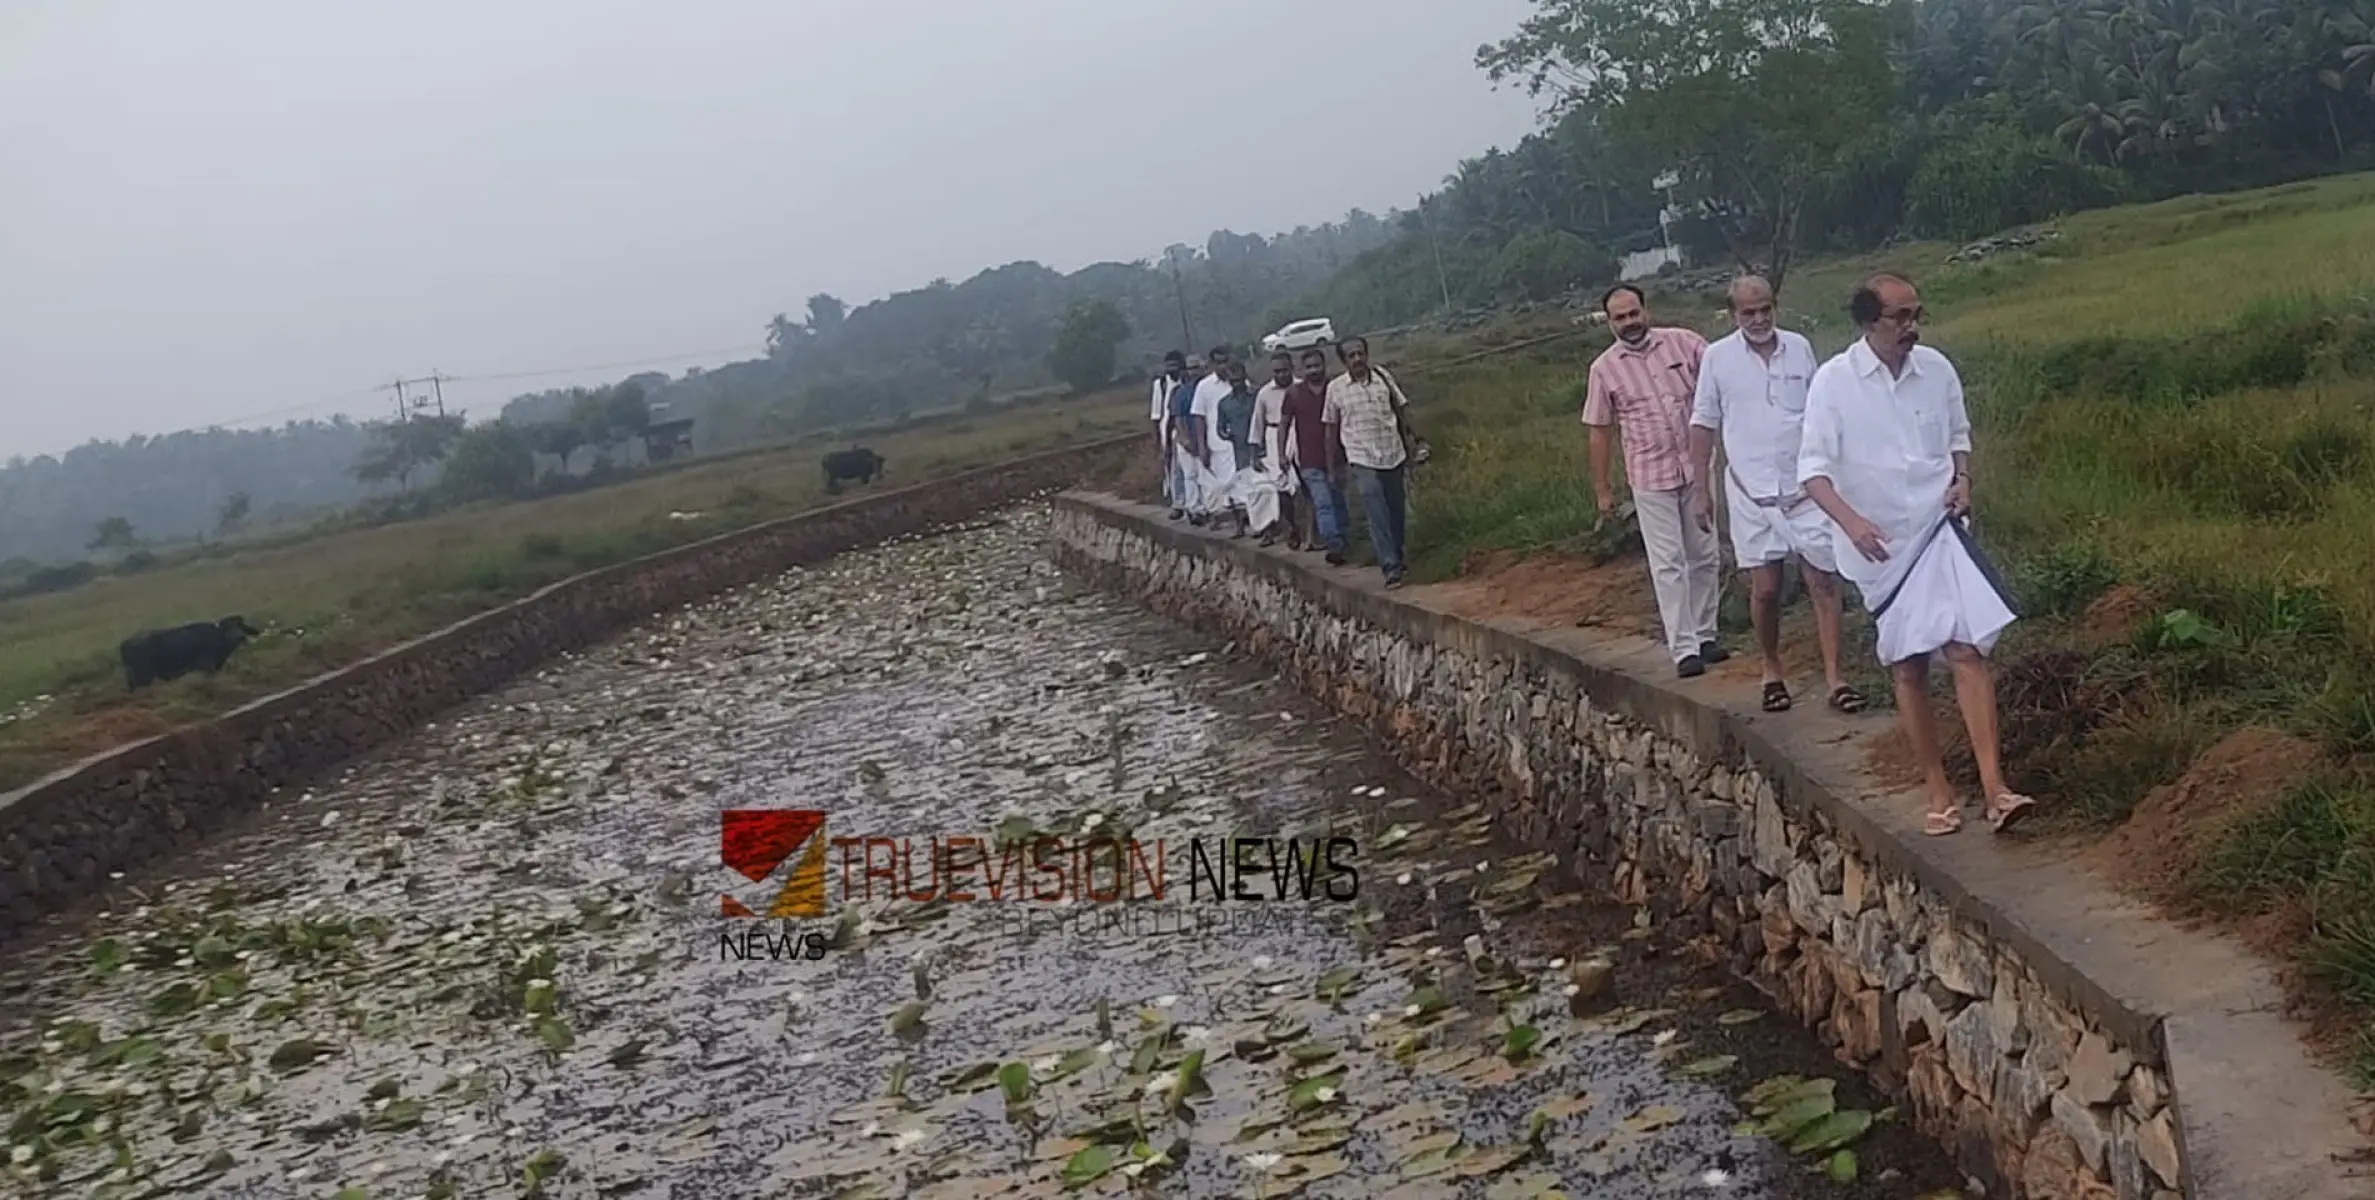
[356, 591]
[2175, 400]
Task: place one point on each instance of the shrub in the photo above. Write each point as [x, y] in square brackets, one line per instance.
[1999, 177]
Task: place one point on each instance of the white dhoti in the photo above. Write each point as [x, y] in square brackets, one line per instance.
[1256, 489]
[1768, 530]
[1946, 592]
[1208, 488]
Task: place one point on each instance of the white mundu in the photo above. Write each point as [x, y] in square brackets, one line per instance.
[1887, 443]
[1759, 405]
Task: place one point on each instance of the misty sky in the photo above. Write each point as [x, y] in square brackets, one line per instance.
[223, 210]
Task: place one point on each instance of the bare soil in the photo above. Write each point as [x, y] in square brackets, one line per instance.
[2156, 852]
[1549, 590]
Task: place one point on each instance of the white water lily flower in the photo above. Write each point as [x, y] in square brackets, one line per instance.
[1324, 1095]
[1410, 1010]
[21, 1155]
[1262, 962]
[1263, 1162]
[1716, 1177]
[1403, 879]
[872, 1128]
[908, 1137]
[1165, 1001]
[1161, 1083]
[1558, 964]
[1572, 989]
[1195, 1035]
[1042, 1066]
[1482, 867]
[1373, 1018]
[1666, 1037]
[1108, 1047]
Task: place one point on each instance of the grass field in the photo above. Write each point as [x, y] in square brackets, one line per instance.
[2175, 422]
[361, 590]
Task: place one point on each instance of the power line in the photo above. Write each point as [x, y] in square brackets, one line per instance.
[435, 378]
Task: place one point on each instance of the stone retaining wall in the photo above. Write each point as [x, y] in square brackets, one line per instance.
[2035, 1077]
[60, 838]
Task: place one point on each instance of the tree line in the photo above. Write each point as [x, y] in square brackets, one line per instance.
[1760, 130]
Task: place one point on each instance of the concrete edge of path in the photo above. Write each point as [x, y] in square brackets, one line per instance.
[2258, 1115]
[63, 835]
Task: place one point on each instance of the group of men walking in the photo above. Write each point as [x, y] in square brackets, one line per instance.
[1279, 461]
[1858, 468]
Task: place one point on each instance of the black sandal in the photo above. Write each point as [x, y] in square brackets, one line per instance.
[1776, 696]
[1846, 699]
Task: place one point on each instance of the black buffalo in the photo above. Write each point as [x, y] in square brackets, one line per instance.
[153, 655]
[860, 464]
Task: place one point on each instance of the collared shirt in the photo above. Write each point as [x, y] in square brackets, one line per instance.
[1183, 401]
[1237, 427]
[1759, 404]
[1887, 443]
[1269, 419]
[1364, 416]
[1646, 392]
[1159, 403]
[1306, 426]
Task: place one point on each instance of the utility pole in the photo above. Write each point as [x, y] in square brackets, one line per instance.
[1441, 280]
[405, 408]
[1179, 288]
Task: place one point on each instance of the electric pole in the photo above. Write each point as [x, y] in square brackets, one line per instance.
[1442, 281]
[405, 408]
[1179, 288]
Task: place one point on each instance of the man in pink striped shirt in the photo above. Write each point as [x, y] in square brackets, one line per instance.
[1644, 386]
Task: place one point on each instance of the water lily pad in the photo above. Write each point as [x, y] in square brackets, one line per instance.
[1334, 984]
[1840, 1167]
[295, 1054]
[1314, 1092]
[1739, 1016]
[1831, 1132]
[1707, 1068]
[1655, 1117]
[1565, 1107]
[1088, 1165]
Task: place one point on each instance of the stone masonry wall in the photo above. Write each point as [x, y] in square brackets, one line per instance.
[1661, 801]
[60, 838]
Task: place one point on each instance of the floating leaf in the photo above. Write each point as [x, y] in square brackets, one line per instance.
[1707, 1068]
[544, 1165]
[629, 1054]
[973, 1078]
[1014, 1079]
[1487, 1159]
[554, 1033]
[1520, 1042]
[1561, 1109]
[1840, 1167]
[1191, 1075]
[1149, 1053]
[1785, 1123]
[1088, 1165]
[1831, 1132]
[1656, 1117]
[399, 1114]
[109, 955]
[1739, 1016]
[909, 1018]
[1783, 1091]
[295, 1054]
[1332, 985]
[1315, 1091]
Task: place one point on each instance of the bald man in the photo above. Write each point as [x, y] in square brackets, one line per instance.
[1752, 389]
[1887, 454]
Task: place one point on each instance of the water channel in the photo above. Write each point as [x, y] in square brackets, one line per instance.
[491, 962]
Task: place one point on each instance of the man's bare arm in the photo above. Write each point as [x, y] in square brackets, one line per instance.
[1603, 484]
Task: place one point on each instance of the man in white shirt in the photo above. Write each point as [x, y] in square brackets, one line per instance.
[1219, 457]
[1269, 426]
[1752, 388]
[1159, 409]
[1887, 454]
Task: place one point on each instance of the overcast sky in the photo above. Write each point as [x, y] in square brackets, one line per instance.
[222, 210]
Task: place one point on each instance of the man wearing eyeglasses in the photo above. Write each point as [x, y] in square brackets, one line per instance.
[1886, 452]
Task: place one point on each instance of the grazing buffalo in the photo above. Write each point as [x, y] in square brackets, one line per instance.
[153, 655]
[860, 464]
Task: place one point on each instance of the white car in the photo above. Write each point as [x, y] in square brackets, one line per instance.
[1318, 331]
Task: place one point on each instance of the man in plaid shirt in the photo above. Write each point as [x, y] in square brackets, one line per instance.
[1371, 418]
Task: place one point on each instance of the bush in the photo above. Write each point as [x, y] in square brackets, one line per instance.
[1546, 264]
[1999, 177]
